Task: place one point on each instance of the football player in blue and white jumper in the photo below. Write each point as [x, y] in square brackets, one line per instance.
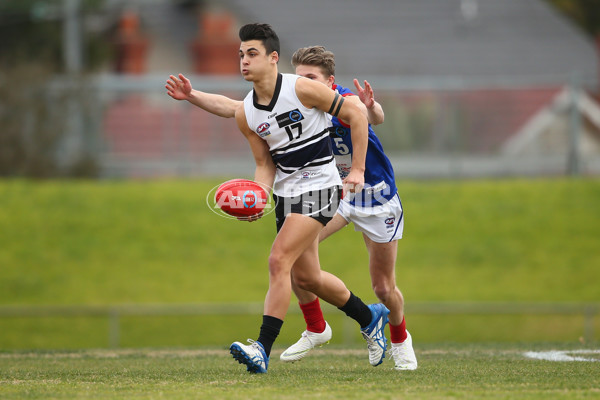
[376, 212]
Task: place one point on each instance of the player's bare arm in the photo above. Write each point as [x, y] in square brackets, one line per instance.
[314, 94]
[180, 88]
[356, 101]
[373, 116]
[264, 174]
[367, 97]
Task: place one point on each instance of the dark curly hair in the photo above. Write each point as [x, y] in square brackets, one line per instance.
[262, 32]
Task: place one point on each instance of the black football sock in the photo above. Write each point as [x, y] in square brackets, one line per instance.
[269, 330]
[357, 310]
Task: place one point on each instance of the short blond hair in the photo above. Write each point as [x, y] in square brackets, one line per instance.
[317, 56]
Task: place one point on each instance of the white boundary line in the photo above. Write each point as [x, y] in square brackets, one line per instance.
[562, 355]
[552, 355]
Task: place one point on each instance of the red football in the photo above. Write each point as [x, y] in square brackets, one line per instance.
[241, 198]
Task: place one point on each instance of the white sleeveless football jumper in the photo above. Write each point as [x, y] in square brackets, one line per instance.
[298, 139]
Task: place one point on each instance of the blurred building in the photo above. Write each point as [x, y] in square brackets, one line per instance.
[544, 132]
[459, 79]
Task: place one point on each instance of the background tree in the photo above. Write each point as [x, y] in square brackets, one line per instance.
[33, 117]
[585, 13]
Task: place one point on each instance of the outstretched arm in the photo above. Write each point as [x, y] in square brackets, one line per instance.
[374, 110]
[180, 88]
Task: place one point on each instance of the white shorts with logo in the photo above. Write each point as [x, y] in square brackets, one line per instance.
[381, 224]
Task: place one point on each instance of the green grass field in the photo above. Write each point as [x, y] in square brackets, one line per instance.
[112, 243]
[129, 242]
[98, 243]
[445, 372]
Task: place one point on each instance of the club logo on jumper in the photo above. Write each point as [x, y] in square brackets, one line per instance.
[390, 221]
[338, 131]
[309, 174]
[263, 129]
[343, 170]
[289, 117]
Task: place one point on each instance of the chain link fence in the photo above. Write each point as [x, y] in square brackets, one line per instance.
[119, 126]
[435, 129]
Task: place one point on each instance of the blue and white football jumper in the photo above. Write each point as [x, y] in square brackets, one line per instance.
[376, 211]
[298, 139]
[380, 185]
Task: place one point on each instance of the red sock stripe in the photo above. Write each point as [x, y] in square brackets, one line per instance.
[313, 316]
[398, 332]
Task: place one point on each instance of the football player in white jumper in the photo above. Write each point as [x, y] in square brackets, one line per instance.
[285, 120]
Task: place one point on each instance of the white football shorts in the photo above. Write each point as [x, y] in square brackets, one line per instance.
[381, 224]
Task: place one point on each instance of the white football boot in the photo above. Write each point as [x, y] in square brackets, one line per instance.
[374, 333]
[253, 356]
[404, 355]
[307, 342]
